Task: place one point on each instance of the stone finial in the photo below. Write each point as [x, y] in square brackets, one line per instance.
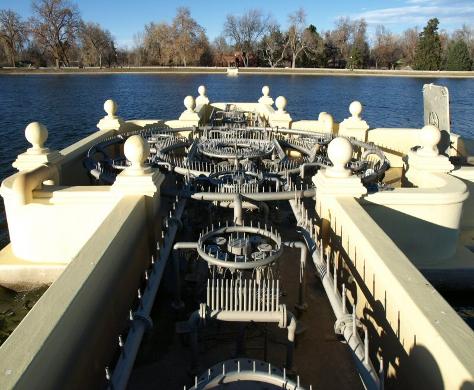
[136, 151]
[355, 108]
[429, 137]
[202, 99]
[427, 158]
[111, 121]
[189, 103]
[280, 103]
[354, 126]
[266, 98]
[340, 154]
[110, 107]
[326, 122]
[36, 134]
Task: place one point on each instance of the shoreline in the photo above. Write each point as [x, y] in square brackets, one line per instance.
[251, 71]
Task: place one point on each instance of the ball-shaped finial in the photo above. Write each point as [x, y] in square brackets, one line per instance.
[280, 103]
[189, 103]
[110, 107]
[327, 121]
[355, 109]
[202, 90]
[429, 137]
[340, 153]
[265, 90]
[136, 151]
[36, 134]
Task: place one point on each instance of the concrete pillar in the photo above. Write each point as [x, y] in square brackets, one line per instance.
[326, 123]
[336, 181]
[189, 117]
[427, 159]
[36, 134]
[280, 117]
[202, 99]
[111, 121]
[354, 126]
[139, 179]
[266, 99]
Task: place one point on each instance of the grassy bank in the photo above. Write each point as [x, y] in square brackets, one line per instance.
[276, 71]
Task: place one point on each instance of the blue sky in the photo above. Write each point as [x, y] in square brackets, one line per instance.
[124, 17]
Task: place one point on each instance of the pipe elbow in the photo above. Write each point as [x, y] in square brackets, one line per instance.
[291, 327]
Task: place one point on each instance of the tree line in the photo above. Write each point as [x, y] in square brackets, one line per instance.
[57, 36]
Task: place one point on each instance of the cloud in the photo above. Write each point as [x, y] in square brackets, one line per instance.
[452, 14]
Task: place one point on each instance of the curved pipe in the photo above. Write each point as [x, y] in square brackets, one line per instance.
[302, 282]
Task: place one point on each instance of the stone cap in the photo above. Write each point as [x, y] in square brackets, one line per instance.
[36, 134]
[110, 121]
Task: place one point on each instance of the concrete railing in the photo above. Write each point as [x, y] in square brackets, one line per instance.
[424, 221]
[424, 343]
[395, 142]
[65, 340]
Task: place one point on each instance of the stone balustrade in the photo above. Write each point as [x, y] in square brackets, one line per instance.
[403, 312]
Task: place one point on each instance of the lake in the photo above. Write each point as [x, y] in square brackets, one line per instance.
[71, 105]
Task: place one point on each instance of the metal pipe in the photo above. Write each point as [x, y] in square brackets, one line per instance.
[185, 245]
[141, 319]
[367, 372]
[238, 209]
[302, 305]
[258, 196]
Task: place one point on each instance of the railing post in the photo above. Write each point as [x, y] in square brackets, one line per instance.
[36, 134]
[111, 121]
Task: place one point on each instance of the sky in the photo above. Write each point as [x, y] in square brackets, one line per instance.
[124, 18]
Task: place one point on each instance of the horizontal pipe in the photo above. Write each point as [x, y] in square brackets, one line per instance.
[185, 245]
[258, 196]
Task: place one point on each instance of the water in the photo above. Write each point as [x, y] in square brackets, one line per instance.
[71, 105]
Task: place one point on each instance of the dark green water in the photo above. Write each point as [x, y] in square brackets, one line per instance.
[14, 306]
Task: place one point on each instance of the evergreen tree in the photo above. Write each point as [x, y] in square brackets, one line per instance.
[458, 56]
[428, 49]
[356, 60]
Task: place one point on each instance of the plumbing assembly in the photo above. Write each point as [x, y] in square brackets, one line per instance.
[241, 175]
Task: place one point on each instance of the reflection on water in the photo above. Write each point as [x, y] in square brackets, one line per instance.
[14, 306]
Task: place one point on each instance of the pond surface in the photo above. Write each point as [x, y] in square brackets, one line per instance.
[71, 105]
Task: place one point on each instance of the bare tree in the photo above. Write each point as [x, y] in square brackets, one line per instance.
[341, 37]
[137, 55]
[386, 50]
[245, 31]
[299, 38]
[408, 43]
[221, 51]
[188, 36]
[466, 34]
[158, 44]
[13, 33]
[274, 46]
[96, 43]
[55, 25]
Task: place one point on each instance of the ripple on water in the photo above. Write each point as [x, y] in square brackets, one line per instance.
[71, 105]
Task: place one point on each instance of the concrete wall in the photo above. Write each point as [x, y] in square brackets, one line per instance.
[423, 342]
[423, 222]
[70, 335]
